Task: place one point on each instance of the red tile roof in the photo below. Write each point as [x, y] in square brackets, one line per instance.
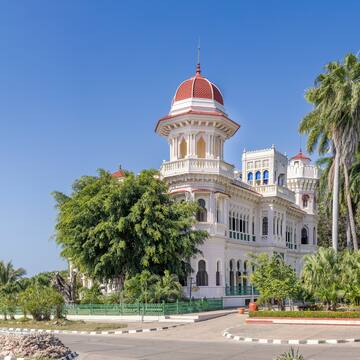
[198, 87]
[300, 156]
[118, 174]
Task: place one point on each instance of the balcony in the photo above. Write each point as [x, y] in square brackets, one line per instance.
[197, 166]
[216, 229]
[276, 190]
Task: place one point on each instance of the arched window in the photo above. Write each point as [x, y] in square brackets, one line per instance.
[183, 149]
[305, 200]
[281, 180]
[265, 225]
[304, 236]
[218, 282]
[202, 212]
[250, 177]
[238, 273]
[231, 273]
[200, 148]
[265, 177]
[244, 279]
[314, 236]
[202, 276]
[258, 178]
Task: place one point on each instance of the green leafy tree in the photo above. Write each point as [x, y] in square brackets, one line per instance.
[46, 278]
[149, 288]
[8, 303]
[9, 274]
[324, 200]
[92, 295]
[41, 302]
[109, 228]
[274, 279]
[334, 124]
[350, 276]
[322, 276]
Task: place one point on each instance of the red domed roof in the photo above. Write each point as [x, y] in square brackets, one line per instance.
[198, 87]
[118, 174]
[300, 156]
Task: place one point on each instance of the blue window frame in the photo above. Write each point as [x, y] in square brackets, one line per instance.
[250, 177]
[265, 177]
[258, 178]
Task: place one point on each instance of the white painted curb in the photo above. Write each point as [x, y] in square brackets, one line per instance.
[228, 335]
[59, 332]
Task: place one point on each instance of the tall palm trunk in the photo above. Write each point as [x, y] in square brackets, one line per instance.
[348, 235]
[335, 204]
[349, 206]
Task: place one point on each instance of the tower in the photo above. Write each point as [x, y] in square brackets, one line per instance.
[196, 128]
[302, 178]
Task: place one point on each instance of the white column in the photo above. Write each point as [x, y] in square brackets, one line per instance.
[270, 224]
[212, 208]
[189, 145]
[226, 214]
[207, 137]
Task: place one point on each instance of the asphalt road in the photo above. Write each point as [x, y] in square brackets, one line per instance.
[201, 340]
[135, 347]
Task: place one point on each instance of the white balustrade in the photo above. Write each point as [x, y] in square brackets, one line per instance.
[276, 190]
[306, 171]
[206, 166]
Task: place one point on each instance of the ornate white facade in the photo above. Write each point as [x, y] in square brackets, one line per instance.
[269, 206]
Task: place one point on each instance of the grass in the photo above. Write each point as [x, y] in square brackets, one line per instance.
[62, 324]
[306, 314]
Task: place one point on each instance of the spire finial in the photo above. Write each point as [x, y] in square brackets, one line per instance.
[198, 70]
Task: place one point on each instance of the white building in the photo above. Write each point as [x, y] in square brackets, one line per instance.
[269, 208]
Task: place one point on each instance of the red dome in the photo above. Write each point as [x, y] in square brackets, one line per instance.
[198, 87]
[300, 156]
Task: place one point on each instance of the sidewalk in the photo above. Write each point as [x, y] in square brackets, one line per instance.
[181, 318]
[293, 334]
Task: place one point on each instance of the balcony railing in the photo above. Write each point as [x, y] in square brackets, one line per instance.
[276, 190]
[206, 166]
[240, 290]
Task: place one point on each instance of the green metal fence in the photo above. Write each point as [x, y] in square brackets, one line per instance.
[240, 290]
[179, 307]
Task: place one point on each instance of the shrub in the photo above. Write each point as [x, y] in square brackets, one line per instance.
[150, 288]
[291, 355]
[8, 303]
[41, 302]
[113, 298]
[92, 295]
[306, 314]
[274, 279]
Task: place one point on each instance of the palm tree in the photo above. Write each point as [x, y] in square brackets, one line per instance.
[322, 275]
[8, 274]
[334, 125]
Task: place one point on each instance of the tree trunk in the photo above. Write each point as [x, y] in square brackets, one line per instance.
[335, 203]
[349, 206]
[348, 235]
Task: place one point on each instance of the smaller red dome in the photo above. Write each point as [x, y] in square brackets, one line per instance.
[118, 174]
[300, 156]
[198, 87]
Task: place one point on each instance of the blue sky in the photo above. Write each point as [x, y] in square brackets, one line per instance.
[82, 84]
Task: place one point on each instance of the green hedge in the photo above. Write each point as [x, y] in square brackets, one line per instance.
[306, 314]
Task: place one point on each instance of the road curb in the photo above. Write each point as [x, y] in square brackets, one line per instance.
[228, 335]
[64, 332]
